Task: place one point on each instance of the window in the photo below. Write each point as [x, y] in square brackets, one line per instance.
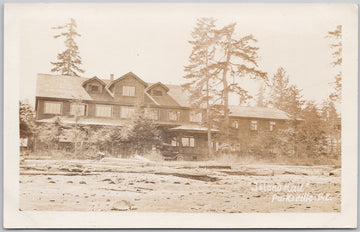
[127, 112]
[174, 115]
[235, 124]
[152, 114]
[272, 126]
[129, 91]
[253, 125]
[237, 147]
[157, 93]
[195, 116]
[188, 142]
[94, 88]
[52, 108]
[77, 109]
[174, 142]
[103, 111]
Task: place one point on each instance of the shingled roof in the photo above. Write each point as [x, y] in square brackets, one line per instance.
[69, 87]
[257, 112]
[58, 86]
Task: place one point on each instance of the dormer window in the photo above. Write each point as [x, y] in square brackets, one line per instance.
[128, 91]
[157, 93]
[94, 88]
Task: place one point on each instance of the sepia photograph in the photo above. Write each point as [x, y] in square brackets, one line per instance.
[193, 109]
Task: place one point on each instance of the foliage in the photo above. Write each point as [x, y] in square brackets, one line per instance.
[202, 70]
[283, 95]
[237, 59]
[336, 47]
[68, 62]
[26, 120]
[144, 133]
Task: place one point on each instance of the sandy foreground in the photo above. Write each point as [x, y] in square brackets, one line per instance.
[196, 187]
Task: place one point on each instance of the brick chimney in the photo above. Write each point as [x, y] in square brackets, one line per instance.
[111, 77]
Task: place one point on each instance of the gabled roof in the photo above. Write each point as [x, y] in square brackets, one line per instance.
[129, 74]
[158, 83]
[257, 112]
[59, 86]
[71, 87]
[96, 79]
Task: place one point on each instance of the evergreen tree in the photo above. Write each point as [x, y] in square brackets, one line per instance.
[336, 47]
[68, 62]
[285, 96]
[239, 60]
[201, 72]
[260, 96]
[26, 120]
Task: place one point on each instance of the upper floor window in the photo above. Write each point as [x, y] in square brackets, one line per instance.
[235, 147]
[52, 108]
[129, 91]
[188, 141]
[77, 109]
[103, 111]
[253, 125]
[235, 124]
[152, 114]
[94, 88]
[157, 93]
[127, 112]
[174, 115]
[195, 116]
[272, 126]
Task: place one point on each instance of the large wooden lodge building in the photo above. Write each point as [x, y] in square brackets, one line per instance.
[111, 102]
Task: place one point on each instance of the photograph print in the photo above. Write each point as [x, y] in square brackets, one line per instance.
[196, 109]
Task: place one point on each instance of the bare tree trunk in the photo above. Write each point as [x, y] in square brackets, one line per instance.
[208, 111]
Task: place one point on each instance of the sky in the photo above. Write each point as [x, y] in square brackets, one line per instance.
[151, 40]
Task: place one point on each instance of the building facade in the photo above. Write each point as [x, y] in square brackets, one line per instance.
[112, 102]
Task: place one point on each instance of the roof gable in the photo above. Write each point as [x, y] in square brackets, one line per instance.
[95, 78]
[157, 84]
[129, 74]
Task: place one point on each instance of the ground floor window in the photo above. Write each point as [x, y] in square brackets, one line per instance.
[152, 114]
[188, 141]
[127, 112]
[52, 108]
[103, 110]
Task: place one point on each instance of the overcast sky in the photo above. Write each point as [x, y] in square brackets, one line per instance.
[151, 40]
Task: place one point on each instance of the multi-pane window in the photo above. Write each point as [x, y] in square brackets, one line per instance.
[127, 112]
[52, 108]
[253, 125]
[103, 111]
[77, 109]
[128, 91]
[94, 88]
[174, 142]
[152, 114]
[235, 124]
[272, 126]
[174, 115]
[188, 141]
[195, 116]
